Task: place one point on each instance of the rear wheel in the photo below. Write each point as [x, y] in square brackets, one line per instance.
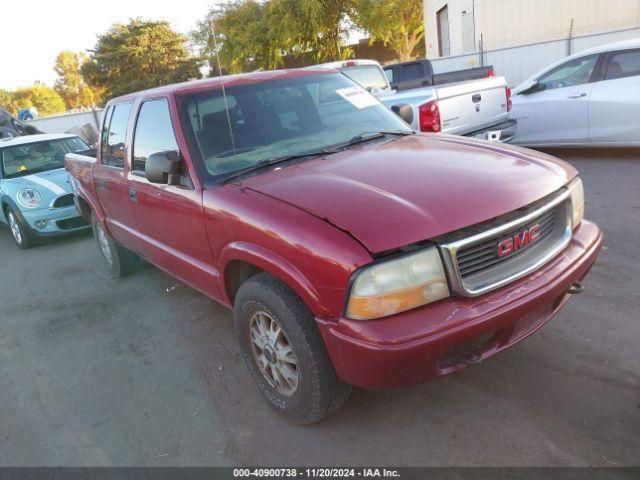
[119, 260]
[19, 231]
[285, 354]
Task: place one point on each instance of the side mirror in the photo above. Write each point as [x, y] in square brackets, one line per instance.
[532, 88]
[164, 167]
[404, 111]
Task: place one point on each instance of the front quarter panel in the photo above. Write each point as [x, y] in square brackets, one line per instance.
[312, 256]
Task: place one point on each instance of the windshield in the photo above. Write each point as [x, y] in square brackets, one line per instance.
[276, 119]
[21, 160]
[369, 76]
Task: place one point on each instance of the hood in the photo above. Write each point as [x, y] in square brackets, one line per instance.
[388, 194]
[50, 184]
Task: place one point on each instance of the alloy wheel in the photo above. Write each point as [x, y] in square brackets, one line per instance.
[15, 228]
[273, 354]
[103, 242]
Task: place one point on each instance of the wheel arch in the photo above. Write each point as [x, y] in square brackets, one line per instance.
[7, 202]
[241, 260]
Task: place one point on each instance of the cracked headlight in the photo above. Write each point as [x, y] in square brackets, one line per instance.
[396, 285]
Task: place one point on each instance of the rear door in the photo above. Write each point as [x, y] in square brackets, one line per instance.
[169, 218]
[558, 112]
[109, 173]
[614, 106]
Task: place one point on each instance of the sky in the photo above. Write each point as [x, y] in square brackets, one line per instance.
[40, 29]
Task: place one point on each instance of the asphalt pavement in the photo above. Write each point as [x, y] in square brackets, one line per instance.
[146, 371]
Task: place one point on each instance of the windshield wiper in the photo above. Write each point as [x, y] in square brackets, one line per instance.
[267, 162]
[372, 135]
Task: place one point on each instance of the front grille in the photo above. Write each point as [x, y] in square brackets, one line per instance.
[481, 257]
[472, 259]
[71, 223]
[63, 201]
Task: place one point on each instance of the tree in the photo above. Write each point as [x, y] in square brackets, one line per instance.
[397, 23]
[137, 56]
[243, 36]
[8, 102]
[44, 98]
[319, 27]
[70, 84]
[252, 34]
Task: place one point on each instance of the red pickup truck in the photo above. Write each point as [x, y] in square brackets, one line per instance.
[353, 250]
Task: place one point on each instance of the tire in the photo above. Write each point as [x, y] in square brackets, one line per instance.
[19, 231]
[265, 304]
[118, 260]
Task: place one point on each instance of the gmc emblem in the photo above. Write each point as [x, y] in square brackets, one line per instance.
[519, 241]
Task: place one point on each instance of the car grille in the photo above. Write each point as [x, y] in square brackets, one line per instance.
[484, 256]
[471, 257]
[71, 223]
[63, 201]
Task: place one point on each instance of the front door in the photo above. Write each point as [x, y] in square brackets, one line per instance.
[169, 218]
[557, 111]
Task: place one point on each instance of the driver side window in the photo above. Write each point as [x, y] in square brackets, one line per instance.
[574, 72]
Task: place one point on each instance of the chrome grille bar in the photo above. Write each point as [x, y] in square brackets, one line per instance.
[474, 266]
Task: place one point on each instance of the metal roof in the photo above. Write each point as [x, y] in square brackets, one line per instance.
[27, 139]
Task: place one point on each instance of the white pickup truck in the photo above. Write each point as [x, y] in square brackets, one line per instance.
[476, 108]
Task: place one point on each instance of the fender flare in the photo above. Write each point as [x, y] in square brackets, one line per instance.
[273, 263]
[7, 200]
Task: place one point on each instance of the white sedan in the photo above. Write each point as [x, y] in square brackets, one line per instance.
[591, 98]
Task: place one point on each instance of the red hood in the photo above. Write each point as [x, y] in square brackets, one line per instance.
[395, 193]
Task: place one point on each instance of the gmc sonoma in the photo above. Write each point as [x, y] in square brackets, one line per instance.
[353, 250]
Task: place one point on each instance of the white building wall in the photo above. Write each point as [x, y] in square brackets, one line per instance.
[518, 63]
[507, 23]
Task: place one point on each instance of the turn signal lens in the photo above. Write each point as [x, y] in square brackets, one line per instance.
[398, 285]
[577, 202]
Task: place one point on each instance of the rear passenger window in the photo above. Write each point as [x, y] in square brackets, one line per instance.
[623, 64]
[154, 132]
[413, 71]
[114, 153]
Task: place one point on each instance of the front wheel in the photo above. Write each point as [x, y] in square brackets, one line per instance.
[19, 231]
[119, 261]
[284, 351]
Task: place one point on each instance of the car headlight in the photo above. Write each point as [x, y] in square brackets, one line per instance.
[29, 198]
[577, 202]
[396, 285]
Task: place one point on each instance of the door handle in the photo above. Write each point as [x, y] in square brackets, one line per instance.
[133, 195]
[577, 95]
[102, 185]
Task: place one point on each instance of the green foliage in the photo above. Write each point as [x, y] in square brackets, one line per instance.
[397, 23]
[316, 26]
[8, 102]
[137, 56]
[243, 36]
[254, 35]
[70, 84]
[45, 99]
